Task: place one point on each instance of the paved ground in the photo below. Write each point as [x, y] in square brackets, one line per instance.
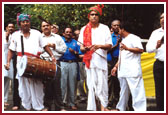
[151, 105]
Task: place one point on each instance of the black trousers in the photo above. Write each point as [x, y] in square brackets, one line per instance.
[113, 83]
[52, 91]
[158, 70]
[16, 98]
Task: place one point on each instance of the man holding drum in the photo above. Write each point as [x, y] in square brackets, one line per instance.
[30, 90]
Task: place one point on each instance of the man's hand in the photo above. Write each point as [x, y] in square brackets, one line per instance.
[95, 47]
[7, 66]
[71, 50]
[123, 47]
[159, 43]
[53, 59]
[84, 49]
[113, 71]
[7, 33]
[51, 45]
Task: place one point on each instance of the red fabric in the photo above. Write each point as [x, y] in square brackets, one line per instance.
[27, 54]
[87, 41]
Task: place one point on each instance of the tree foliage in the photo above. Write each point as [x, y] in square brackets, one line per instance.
[143, 17]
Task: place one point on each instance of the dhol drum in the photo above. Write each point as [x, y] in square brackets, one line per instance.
[36, 68]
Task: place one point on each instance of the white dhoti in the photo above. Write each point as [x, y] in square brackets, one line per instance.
[135, 85]
[31, 93]
[97, 82]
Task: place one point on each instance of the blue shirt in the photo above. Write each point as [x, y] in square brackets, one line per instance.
[115, 52]
[73, 45]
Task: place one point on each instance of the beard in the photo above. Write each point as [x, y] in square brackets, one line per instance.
[26, 29]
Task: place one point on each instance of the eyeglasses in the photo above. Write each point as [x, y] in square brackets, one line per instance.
[94, 14]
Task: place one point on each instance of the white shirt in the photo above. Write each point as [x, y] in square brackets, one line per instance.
[60, 46]
[100, 36]
[7, 73]
[151, 45]
[129, 62]
[31, 43]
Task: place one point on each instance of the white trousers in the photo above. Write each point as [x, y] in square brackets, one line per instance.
[135, 86]
[31, 93]
[97, 87]
[6, 88]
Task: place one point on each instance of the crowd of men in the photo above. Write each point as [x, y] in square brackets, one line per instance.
[107, 60]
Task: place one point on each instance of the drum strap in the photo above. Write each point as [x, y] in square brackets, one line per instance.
[27, 54]
[22, 45]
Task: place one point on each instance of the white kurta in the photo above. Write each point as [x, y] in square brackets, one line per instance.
[151, 45]
[7, 74]
[30, 91]
[130, 76]
[130, 63]
[97, 74]
[60, 46]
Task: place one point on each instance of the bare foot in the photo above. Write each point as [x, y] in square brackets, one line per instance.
[74, 108]
[6, 104]
[14, 108]
[62, 110]
[44, 109]
[115, 110]
[106, 109]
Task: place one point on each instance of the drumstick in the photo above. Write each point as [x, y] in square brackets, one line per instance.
[42, 19]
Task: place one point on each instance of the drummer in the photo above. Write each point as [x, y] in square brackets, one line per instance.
[52, 87]
[30, 91]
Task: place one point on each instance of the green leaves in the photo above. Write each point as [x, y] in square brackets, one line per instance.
[144, 17]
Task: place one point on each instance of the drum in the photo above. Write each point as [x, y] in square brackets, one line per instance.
[36, 68]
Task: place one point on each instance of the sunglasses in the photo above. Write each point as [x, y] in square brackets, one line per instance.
[94, 14]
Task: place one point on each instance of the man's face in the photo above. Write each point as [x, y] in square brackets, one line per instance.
[162, 20]
[46, 28]
[68, 33]
[94, 17]
[25, 25]
[10, 28]
[115, 26]
[54, 29]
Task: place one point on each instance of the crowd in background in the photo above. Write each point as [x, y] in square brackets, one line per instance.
[107, 61]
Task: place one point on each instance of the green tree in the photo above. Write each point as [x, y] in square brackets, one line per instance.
[144, 18]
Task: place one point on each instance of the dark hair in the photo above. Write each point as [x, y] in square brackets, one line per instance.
[68, 27]
[127, 26]
[115, 20]
[9, 23]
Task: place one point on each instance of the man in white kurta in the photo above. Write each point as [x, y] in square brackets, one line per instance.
[30, 91]
[97, 72]
[130, 72]
[156, 44]
[8, 74]
[52, 87]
